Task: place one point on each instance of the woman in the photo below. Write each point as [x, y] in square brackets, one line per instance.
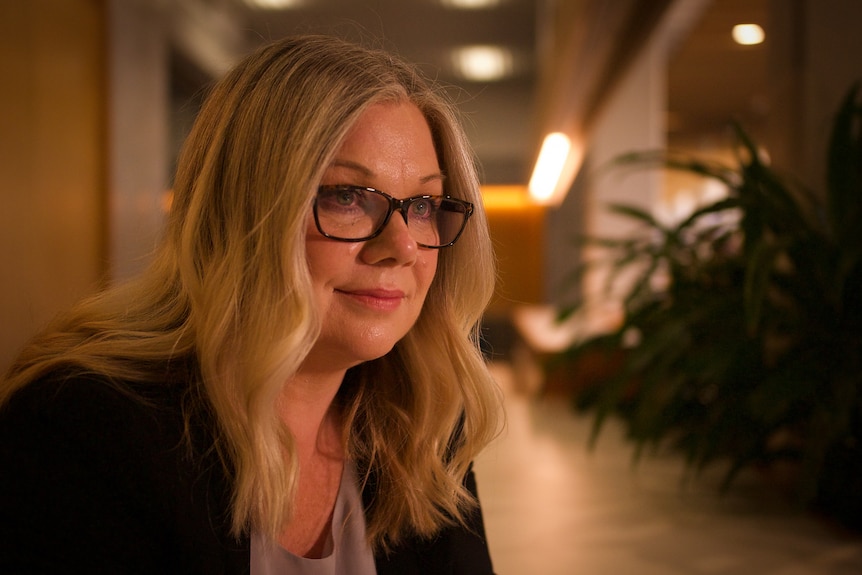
[294, 384]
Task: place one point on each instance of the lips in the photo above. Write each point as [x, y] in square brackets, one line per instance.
[376, 298]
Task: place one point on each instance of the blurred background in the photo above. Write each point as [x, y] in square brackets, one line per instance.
[97, 96]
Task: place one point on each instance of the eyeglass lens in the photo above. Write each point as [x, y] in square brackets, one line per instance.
[355, 213]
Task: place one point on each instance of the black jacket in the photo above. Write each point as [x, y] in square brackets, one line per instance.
[94, 481]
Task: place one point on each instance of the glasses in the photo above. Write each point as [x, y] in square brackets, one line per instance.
[356, 214]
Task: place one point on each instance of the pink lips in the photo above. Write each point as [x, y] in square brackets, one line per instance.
[378, 299]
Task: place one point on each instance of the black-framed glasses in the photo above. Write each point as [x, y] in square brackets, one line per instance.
[356, 214]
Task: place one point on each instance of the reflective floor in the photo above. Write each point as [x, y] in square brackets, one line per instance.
[553, 507]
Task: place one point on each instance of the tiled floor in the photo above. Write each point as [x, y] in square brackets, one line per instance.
[553, 507]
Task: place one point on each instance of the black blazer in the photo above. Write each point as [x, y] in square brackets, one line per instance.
[94, 481]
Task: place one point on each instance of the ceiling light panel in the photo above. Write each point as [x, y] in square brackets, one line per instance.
[483, 63]
[748, 34]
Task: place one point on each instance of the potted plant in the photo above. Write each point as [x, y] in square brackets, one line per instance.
[751, 352]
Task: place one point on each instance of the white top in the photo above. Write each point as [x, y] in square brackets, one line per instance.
[347, 552]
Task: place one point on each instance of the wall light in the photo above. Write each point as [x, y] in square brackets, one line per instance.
[549, 166]
[482, 63]
[506, 198]
[748, 34]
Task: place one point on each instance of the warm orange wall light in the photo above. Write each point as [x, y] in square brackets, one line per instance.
[517, 224]
[506, 198]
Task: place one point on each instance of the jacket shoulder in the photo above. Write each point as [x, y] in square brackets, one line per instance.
[95, 475]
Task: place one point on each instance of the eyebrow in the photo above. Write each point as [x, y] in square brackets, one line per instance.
[350, 165]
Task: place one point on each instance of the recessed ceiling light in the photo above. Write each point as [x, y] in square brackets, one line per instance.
[482, 63]
[470, 4]
[748, 34]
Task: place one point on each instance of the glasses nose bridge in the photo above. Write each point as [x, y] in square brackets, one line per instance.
[400, 205]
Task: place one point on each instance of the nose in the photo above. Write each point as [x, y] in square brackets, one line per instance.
[394, 244]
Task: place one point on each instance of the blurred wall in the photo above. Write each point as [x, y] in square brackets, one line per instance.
[84, 154]
[631, 119]
[139, 132]
[519, 245]
[815, 56]
[52, 161]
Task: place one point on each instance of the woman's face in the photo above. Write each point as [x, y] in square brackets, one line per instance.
[370, 293]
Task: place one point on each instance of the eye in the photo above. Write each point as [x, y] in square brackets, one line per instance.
[340, 198]
[422, 208]
[346, 196]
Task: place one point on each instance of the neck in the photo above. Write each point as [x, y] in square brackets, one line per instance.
[306, 407]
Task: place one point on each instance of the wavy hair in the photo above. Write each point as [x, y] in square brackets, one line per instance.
[229, 294]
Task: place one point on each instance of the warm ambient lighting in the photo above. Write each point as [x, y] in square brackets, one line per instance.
[549, 167]
[273, 4]
[748, 34]
[502, 198]
[470, 4]
[482, 63]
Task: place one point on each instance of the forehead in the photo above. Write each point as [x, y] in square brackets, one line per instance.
[397, 121]
[389, 139]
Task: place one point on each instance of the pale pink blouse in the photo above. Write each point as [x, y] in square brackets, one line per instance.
[347, 552]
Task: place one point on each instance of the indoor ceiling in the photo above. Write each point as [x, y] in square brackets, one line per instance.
[426, 32]
[497, 114]
[710, 79]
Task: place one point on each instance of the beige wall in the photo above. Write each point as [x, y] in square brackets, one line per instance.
[52, 173]
[138, 85]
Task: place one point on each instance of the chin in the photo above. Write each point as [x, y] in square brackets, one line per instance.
[373, 342]
[349, 352]
[372, 354]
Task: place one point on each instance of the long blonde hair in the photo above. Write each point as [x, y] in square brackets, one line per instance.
[229, 292]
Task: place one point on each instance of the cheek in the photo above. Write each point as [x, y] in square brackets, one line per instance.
[426, 271]
[327, 259]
